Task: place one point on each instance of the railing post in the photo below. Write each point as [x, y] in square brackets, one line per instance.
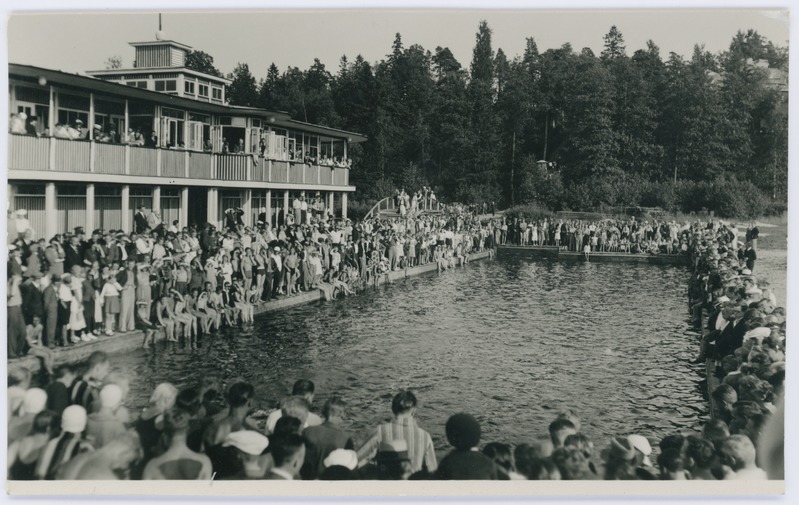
[127, 160]
[158, 161]
[303, 174]
[186, 164]
[248, 169]
[318, 175]
[288, 168]
[269, 169]
[213, 165]
[92, 153]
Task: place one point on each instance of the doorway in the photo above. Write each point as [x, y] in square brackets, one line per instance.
[198, 207]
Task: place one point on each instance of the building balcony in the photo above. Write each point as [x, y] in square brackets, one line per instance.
[52, 158]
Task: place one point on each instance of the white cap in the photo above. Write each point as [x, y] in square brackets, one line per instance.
[73, 420]
[641, 444]
[35, 401]
[111, 396]
[342, 457]
[247, 441]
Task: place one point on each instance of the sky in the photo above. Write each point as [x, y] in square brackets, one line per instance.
[80, 41]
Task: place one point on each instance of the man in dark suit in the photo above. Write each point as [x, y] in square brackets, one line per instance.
[50, 310]
[140, 220]
[288, 452]
[73, 253]
[733, 335]
[32, 300]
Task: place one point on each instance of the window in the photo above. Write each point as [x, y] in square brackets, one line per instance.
[217, 93]
[166, 85]
[137, 84]
[203, 90]
[188, 88]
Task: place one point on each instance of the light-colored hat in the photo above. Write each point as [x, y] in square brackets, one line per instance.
[723, 299]
[111, 396]
[342, 457]
[22, 212]
[35, 401]
[73, 419]
[247, 441]
[641, 444]
[758, 333]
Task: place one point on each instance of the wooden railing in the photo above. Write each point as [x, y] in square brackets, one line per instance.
[27, 153]
[389, 204]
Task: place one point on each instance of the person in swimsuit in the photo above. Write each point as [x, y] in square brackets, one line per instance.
[183, 317]
[163, 312]
[178, 462]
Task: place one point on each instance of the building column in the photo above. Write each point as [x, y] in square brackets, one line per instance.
[331, 203]
[269, 207]
[212, 206]
[246, 206]
[157, 200]
[89, 209]
[343, 205]
[184, 206]
[50, 212]
[126, 216]
[91, 117]
[286, 209]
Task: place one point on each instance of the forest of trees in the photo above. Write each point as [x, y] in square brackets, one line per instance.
[705, 132]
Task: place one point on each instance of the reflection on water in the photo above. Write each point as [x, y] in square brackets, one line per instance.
[511, 341]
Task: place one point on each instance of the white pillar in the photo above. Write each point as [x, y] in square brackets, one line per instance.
[285, 205]
[343, 205]
[127, 218]
[51, 228]
[184, 206]
[91, 116]
[269, 207]
[212, 206]
[157, 199]
[331, 203]
[246, 206]
[89, 209]
[51, 116]
[127, 124]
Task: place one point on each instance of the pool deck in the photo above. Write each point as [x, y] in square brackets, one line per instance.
[594, 257]
[122, 342]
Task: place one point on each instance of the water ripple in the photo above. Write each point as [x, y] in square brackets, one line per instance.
[510, 341]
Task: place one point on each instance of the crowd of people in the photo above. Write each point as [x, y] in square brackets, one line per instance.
[609, 235]
[79, 428]
[76, 424]
[75, 286]
[22, 124]
[743, 329]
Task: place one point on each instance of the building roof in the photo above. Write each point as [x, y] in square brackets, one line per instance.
[147, 70]
[160, 43]
[101, 87]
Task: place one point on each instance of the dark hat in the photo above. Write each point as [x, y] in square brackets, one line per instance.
[79, 230]
[463, 431]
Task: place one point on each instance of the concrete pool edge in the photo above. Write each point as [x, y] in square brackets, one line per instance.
[131, 340]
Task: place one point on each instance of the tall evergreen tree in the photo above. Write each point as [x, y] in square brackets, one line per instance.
[243, 90]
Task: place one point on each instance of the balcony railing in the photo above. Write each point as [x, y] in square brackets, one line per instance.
[27, 153]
